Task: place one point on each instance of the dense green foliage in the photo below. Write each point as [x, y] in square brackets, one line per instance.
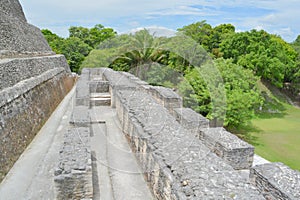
[241, 59]
[79, 43]
[267, 55]
[242, 94]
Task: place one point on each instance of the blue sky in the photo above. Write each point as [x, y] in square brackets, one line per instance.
[275, 16]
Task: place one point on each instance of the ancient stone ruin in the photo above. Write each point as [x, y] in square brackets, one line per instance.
[178, 154]
[33, 81]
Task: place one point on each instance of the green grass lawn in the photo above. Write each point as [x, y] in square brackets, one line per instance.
[277, 137]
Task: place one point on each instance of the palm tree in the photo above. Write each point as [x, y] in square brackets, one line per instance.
[141, 52]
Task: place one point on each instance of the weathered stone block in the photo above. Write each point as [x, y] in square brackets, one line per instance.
[12, 71]
[190, 120]
[17, 36]
[234, 151]
[276, 181]
[166, 97]
[82, 95]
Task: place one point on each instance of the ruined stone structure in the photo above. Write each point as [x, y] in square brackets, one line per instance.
[180, 156]
[33, 81]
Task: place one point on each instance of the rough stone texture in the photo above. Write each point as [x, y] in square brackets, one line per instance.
[80, 116]
[117, 81]
[24, 109]
[73, 177]
[17, 36]
[276, 181]
[82, 96]
[176, 165]
[99, 86]
[15, 70]
[190, 120]
[234, 151]
[166, 97]
[13, 9]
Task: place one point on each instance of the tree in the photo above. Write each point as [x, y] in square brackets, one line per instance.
[142, 50]
[267, 55]
[220, 33]
[79, 44]
[54, 41]
[200, 32]
[93, 36]
[75, 50]
[243, 96]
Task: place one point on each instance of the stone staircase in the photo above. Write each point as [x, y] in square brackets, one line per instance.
[100, 99]
[99, 92]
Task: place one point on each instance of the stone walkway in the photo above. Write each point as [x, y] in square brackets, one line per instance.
[116, 174]
[115, 162]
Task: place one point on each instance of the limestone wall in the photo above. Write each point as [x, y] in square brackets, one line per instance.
[33, 81]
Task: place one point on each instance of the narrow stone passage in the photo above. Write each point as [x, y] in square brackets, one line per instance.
[119, 175]
[116, 174]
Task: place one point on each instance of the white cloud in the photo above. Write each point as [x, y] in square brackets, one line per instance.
[58, 15]
[157, 31]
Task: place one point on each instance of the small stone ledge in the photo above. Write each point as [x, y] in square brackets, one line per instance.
[276, 181]
[190, 120]
[73, 176]
[9, 94]
[80, 116]
[230, 148]
[16, 70]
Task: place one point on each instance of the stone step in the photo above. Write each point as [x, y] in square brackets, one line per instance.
[100, 99]
[100, 95]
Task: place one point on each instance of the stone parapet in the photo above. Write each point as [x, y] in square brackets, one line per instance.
[276, 181]
[117, 81]
[176, 165]
[80, 116]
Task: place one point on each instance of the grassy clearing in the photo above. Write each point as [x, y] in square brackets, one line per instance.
[278, 139]
[275, 133]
